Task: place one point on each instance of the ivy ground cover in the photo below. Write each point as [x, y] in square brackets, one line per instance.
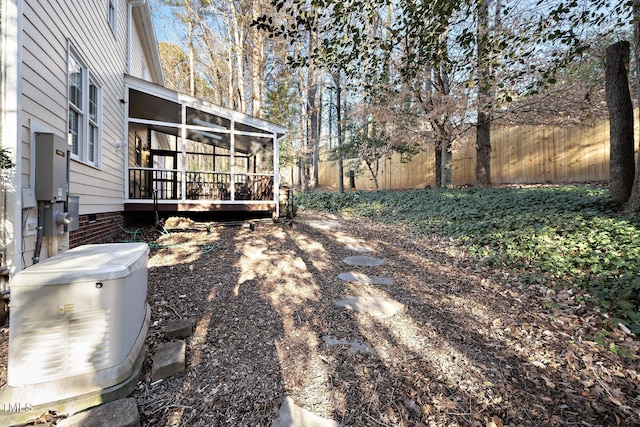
[562, 237]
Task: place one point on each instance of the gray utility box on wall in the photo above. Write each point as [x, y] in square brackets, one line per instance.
[51, 167]
[74, 212]
[55, 219]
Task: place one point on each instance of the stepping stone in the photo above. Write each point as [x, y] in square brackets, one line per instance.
[119, 413]
[376, 306]
[358, 248]
[364, 279]
[292, 415]
[327, 224]
[355, 346]
[180, 328]
[168, 360]
[363, 261]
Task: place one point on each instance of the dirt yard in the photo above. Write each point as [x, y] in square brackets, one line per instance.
[471, 346]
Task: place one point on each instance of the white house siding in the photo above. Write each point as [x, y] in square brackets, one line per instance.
[138, 60]
[49, 29]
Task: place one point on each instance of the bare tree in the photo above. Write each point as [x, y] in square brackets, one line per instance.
[225, 50]
[175, 66]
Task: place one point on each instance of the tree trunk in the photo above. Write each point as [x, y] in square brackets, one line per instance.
[238, 37]
[446, 155]
[192, 62]
[445, 133]
[312, 117]
[316, 152]
[301, 179]
[340, 136]
[620, 108]
[230, 79]
[438, 164]
[257, 62]
[483, 149]
[373, 171]
[483, 128]
[633, 205]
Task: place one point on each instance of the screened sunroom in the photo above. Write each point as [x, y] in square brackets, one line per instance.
[185, 154]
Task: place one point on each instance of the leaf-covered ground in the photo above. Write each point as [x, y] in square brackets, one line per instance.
[570, 236]
[474, 345]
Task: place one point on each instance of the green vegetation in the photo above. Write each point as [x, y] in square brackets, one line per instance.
[5, 159]
[560, 236]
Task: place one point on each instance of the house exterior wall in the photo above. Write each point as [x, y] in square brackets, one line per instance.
[96, 228]
[139, 62]
[51, 30]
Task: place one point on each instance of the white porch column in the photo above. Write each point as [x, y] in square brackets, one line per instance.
[232, 159]
[276, 173]
[183, 149]
[126, 144]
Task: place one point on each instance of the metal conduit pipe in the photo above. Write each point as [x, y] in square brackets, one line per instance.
[40, 233]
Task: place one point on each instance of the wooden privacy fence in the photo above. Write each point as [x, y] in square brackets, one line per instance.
[519, 155]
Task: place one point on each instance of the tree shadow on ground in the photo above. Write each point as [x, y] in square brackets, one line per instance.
[232, 375]
[469, 348]
[487, 349]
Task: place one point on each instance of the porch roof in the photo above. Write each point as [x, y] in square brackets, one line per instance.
[162, 110]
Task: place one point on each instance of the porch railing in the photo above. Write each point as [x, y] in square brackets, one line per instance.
[199, 185]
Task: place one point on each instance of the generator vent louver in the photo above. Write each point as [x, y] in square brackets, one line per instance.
[68, 345]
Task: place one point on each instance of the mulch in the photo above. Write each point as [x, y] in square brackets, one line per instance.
[473, 346]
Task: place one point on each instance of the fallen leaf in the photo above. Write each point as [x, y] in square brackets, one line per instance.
[495, 421]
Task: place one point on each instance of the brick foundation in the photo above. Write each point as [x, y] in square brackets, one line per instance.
[96, 228]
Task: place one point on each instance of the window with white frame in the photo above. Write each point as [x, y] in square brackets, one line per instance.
[84, 112]
[112, 14]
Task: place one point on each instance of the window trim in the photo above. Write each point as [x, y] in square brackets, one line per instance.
[88, 122]
[112, 19]
[94, 123]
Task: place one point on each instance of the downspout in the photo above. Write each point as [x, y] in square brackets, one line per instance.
[39, 233]
[130, 6]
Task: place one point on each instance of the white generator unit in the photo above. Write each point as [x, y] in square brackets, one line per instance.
[77, 325]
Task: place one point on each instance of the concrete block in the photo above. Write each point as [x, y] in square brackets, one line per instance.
[168, 360]
[382, 307]
[119, 413]
[292, 415]
[180, 328]
[364, 279]
[363, 261]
